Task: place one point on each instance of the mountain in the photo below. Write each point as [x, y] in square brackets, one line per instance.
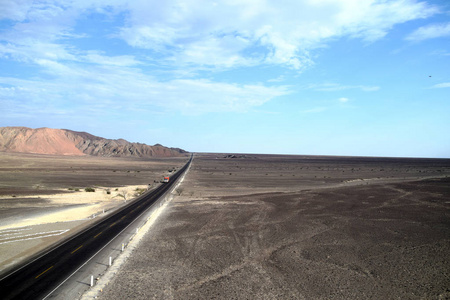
[68, 142]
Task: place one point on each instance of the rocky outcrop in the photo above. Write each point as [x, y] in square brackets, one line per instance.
[68, 142]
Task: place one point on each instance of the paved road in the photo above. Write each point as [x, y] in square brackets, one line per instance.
[35, 279]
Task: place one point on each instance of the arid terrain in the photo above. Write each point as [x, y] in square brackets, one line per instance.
[74, 143]
[43, 198]
[247, 226]
[293, 227]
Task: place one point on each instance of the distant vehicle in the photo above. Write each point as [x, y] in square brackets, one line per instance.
[166, 179]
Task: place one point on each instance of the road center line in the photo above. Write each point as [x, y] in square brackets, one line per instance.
[76, 250]
[98, 234]
[43, 272]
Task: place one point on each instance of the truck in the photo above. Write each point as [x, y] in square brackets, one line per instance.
[166, 179]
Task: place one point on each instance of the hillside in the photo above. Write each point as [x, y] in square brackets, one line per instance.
[68, 142]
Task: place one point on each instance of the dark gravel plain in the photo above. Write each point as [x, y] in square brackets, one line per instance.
[37, 174]
[293, 227]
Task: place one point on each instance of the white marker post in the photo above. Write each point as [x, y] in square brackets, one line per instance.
[122, 247]
[92, 280]
[110, 261]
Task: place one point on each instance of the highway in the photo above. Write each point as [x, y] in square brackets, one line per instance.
[36, 278]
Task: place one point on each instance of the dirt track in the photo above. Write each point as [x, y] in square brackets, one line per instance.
[264, 227]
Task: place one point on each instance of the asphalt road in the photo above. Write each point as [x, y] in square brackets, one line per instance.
[34, 279]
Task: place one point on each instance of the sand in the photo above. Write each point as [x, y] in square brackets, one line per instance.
[75, 205]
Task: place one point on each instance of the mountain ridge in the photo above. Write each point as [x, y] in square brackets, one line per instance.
[68, 142]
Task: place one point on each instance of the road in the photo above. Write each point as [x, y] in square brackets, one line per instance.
[36, 278]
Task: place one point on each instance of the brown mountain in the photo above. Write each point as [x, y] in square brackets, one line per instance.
[68, 142]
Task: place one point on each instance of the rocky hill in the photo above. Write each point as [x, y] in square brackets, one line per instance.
[68, 142]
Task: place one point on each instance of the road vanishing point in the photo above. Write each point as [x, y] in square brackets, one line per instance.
[35, 279]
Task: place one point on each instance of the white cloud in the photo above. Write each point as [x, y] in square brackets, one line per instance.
[318, 109]
[441, 85]
[260, 31]
[174, 36]
[109, 88]
[278, 79]
[101, 59]
[343, 99]
[15, 10]
[429, 32]
[217, 34]
[332, 87]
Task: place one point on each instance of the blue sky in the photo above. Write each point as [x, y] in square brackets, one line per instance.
[319, 77]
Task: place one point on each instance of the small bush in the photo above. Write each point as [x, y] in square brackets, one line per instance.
[89, 189]
[139, 191]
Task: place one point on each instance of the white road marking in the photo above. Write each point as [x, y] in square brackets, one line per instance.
[4, 232]
[32, 236]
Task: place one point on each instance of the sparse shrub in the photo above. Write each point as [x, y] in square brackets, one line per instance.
[89, 190]
[108, 192]
[76, 189]
[139, 191]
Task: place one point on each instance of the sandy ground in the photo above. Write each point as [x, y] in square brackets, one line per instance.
[271, 227]
[43, 197]
[76, 205]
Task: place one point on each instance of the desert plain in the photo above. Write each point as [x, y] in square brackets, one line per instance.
[43, 198]
[253, 226]
[297, 227]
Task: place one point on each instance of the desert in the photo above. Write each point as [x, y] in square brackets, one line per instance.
[297, 227]
[246, 226]
[46, 198]
[252, 149]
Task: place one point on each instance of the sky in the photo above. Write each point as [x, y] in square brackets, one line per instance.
[309, 77]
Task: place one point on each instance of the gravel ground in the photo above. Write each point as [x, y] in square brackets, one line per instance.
[273, 227]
